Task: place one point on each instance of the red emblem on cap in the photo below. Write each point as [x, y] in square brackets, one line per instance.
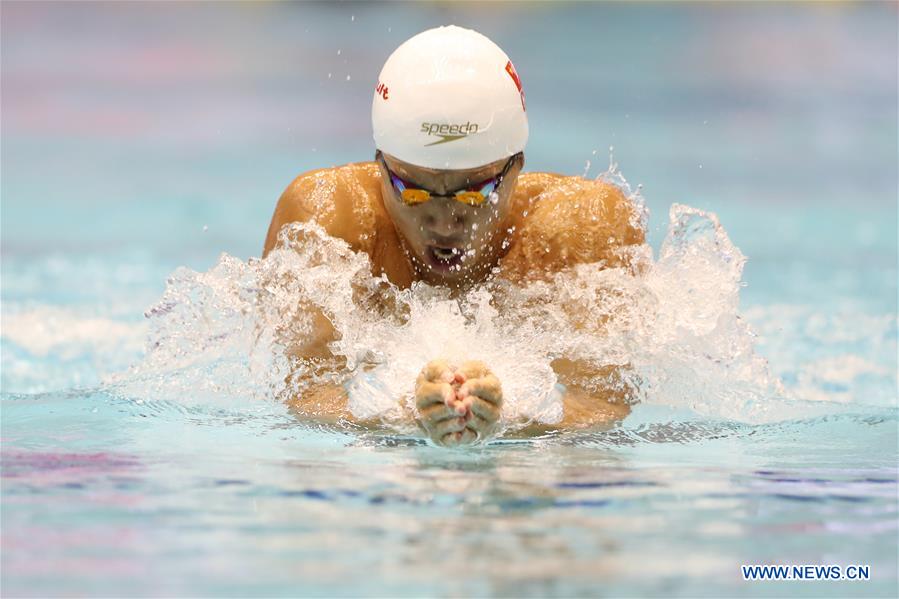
[382, 90]
[514, 75]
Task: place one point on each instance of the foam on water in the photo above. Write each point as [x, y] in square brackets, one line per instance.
[50, 348]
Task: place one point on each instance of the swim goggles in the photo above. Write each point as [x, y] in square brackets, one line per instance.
[472, 195]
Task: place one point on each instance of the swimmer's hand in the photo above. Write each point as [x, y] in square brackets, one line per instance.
[458, 406]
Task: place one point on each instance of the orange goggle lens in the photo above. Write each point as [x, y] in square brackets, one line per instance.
[411, 197]
[472, 198]
[474, 195]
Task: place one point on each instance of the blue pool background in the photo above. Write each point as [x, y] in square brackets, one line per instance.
[137, 138]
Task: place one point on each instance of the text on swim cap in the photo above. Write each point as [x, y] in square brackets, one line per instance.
[448, 132]
[381, 90]
[448, 129]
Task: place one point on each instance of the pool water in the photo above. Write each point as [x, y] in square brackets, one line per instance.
[144, 452]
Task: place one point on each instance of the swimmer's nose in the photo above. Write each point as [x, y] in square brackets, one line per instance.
[442, 221]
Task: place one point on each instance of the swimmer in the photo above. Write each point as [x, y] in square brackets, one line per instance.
[445, 202]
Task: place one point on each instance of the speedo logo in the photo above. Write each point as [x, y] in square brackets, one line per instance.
[448, 132]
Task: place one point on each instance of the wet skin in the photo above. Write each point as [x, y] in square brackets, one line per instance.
[448, 242]
[539, 224]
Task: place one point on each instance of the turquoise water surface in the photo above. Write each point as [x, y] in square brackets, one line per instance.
[144, 455]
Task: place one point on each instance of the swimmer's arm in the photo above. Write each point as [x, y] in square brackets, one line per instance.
[581, 408]
[306, 395]
[602, 396]
[604, 400]
[597, 406]
[325, 402]
[322, 401]
[328, 403]
[594, 221]
[310, 197]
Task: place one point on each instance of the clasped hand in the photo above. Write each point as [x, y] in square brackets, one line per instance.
[458, 406]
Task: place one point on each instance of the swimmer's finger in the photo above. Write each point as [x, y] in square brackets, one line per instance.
[436, 370]
[483, 428]
[474, 369]
[427, 394]
[484, 412]
[468, 437]
[464, 437]
[487, 388]
[436, 413]
[452, 425]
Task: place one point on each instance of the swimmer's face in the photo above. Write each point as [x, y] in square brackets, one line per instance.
[451, 242]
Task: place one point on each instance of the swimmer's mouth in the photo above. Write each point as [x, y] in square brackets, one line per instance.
[445, 257]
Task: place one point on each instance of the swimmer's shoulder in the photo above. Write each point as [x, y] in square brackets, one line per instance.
[565, 220]
[345, 200]
[535, 186]
[531, 184]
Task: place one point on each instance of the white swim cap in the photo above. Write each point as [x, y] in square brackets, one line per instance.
[449, 98]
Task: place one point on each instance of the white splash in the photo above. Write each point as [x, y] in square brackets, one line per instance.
[672, 333]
